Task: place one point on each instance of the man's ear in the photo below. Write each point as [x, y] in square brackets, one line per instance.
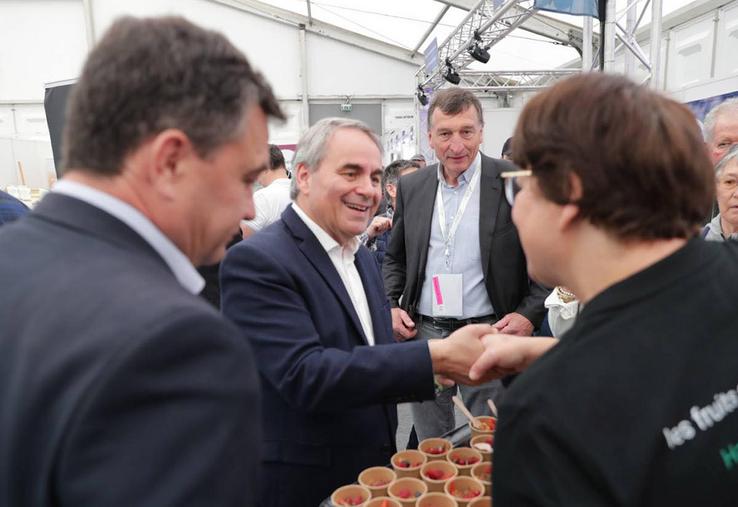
[391, 190]
[301, 174]
[171, 159]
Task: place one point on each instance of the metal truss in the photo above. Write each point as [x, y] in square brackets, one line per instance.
[492, 23]
[512, 80]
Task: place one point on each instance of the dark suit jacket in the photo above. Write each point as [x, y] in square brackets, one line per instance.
[328, 397]
[503, 260]
[117, 387]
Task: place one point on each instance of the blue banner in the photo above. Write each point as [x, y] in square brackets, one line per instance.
[431, 57]
[576, 7]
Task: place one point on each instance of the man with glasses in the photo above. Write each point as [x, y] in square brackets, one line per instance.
[454, 257]
[638, 404]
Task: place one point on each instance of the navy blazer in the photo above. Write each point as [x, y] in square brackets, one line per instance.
[117, 386]
[329, 398]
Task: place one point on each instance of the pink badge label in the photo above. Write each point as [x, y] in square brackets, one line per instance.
[437, 290]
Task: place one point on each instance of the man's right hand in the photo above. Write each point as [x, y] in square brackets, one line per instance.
[402, 325]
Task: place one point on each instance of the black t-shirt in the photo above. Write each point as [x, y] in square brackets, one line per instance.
[637, 405]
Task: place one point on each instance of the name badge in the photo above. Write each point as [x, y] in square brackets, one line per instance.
[447, 295]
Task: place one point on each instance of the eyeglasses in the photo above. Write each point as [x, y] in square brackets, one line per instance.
[512, 182]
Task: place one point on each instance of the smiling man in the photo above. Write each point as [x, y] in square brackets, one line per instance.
[454, 257]
[309, 297]
[118, 385]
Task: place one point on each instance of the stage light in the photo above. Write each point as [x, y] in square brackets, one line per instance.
[450, 74]
[422, 97]
[476, 50]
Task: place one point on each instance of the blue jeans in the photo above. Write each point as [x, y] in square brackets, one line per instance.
[433, 418]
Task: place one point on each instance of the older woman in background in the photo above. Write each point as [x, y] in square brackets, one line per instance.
[725, 224]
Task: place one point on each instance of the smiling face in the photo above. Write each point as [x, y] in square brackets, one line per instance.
[342, 194]
[456, 140]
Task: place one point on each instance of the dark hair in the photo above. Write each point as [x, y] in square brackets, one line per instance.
[640, 158]
[276, 158]
[507, 147]
[148, 75]
[392, 172]
[452, 101]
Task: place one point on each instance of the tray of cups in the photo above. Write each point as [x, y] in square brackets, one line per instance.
[451, 471]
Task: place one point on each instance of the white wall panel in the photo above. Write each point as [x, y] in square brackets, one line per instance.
[40, 41]
[726, 63]
[690, 52]
[272, 47]
[336, 68]
[289, 131]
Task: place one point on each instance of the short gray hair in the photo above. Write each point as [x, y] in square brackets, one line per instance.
[717, 111]
[730, 156]
[311, 147]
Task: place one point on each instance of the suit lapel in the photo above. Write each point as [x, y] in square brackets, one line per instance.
[490, 193]
[375, 296]
[425, 205]
[318, 257]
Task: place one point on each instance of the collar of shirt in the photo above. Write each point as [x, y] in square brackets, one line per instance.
[326, 241]
[178, 263]
[466, 176]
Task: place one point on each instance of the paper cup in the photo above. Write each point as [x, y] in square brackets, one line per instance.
[464, 490]
[376, 480]
[464, 458]
[436, 500]
[407, 463]
[351, 495]
[485, 425]
[437, 473]
[435, 448]
[407, 490]
[483, 473]
[383, 501]
[483, 444]
[484, 501]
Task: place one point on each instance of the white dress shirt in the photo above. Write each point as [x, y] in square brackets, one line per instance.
[183, 270]
[269, 203]
[343, 259]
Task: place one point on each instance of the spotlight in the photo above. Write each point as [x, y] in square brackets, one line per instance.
[422, 97]
[450, 74]
[476, 50]
[478, 53]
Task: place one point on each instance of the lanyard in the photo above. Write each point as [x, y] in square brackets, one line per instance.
[448, 238]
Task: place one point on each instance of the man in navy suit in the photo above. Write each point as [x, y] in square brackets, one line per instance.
[118, 385]
[310, 299]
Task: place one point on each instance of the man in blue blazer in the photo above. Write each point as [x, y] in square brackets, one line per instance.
[118, 385]
[310, 299]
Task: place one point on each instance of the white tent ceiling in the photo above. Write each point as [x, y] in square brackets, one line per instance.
[403, 23]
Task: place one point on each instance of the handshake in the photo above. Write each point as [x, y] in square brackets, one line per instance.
[478, 353]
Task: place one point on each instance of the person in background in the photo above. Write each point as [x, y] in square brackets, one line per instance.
[454, 257]
[377, 235]
[419, 159]
[118, 385]
[309, 298]
[274, 196]
[725, 224]
[721, 129]
[11, 209]
[643, 387]
[507, 149]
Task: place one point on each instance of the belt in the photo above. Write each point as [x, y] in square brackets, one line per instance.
[450, 324]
